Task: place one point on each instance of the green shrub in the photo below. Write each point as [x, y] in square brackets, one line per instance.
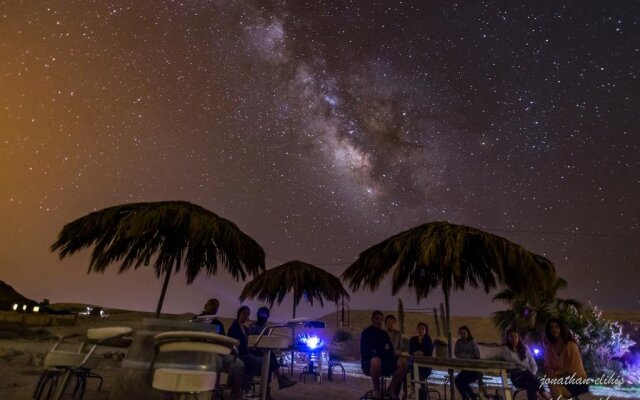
[601, 340]
[333, 356]
[342, 335]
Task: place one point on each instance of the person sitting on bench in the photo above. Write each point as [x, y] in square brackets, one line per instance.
[378, 358]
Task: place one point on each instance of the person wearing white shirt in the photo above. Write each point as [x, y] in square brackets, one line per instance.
[524, 375]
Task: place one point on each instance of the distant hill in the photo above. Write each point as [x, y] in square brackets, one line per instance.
[9, 296]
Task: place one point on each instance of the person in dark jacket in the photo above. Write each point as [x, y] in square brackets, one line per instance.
[208, 316]
[378, 358]
[238, 330]
[422, 345]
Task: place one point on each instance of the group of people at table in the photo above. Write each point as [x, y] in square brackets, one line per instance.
[381, 355]
[246, 363]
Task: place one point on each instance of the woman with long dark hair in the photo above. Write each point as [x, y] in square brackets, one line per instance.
[422, 345]
[524, 376]
[466, 347]
[562, 359]
[239, 331]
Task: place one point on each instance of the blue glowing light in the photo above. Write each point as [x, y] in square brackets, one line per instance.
[312, 342]
[536, 352]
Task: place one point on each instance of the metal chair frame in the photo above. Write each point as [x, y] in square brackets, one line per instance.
[332, 366]
[71, 368]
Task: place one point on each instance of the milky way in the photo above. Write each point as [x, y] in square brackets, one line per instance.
[321, 128]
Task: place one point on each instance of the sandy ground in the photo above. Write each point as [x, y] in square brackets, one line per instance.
[21, 359]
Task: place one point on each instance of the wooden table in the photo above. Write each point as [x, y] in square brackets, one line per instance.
[486, 366]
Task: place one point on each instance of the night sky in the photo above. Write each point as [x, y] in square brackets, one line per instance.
[321, 128]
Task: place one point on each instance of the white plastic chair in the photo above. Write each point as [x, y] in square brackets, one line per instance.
[60, 365]
[183, 382]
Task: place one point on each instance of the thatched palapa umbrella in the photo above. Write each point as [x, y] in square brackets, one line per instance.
[172, 234]
[452, 256]
[298, 277]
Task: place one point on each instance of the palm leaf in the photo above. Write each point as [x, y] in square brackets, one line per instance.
[298, 277]
[175, 234]
[541, 306]
[453, 256]
[505, 295]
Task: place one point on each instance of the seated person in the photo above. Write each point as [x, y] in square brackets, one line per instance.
[562, 359]
[230, 364]
[422, 345]
[396, 341]
[466, 347]
[394, 335]
[524, 376]
[238, 330]
[207, 315]
[274, 366]
[378, 358]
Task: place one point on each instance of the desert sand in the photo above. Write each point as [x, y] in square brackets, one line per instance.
[21, 354]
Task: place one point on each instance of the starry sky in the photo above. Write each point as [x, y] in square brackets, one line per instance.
[321, 127]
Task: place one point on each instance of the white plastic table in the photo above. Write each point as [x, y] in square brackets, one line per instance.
[267, 343]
